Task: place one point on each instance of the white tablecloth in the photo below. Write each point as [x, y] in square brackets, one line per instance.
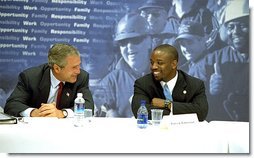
[121, 135]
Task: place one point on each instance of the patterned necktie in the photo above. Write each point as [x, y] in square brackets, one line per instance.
[59, 93]
[167, 92]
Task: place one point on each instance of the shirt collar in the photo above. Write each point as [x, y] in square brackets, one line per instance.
[171, 83]
[54, 82]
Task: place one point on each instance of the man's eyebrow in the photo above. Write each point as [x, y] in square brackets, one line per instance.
[160, 59]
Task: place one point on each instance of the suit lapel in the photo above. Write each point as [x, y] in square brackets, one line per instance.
[44, 87]
[158, 88]
[179, 91]
[161, 94]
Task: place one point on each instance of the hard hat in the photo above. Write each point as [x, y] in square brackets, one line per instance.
[190, 29]
[236, 9]
[131, 25]
[160, 4]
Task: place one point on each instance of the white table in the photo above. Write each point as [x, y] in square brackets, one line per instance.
[121, 135]
[235, 133]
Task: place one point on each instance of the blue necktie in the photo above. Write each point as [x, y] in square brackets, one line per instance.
[167, 92]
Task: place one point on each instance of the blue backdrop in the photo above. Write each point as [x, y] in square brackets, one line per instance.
[30, 27]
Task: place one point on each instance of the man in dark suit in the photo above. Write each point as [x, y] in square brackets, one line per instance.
[188, 93]
[37, 89]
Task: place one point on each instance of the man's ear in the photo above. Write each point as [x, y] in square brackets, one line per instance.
[56, 68]
[174, 64]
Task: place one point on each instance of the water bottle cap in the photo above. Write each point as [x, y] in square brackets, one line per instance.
[143, 102]
[80, 94]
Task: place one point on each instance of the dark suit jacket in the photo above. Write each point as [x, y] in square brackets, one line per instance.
[33, 89]
[193, 101]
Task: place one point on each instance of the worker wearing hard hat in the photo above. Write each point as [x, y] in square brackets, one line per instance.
[237, 26]
[155, 12]
[132, 37]
[229, 82]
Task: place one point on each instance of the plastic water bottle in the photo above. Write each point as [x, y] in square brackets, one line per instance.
[142, 115]
[79, 107]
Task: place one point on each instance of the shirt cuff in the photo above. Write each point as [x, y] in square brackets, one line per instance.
[70, 113]
[171, 109]
[26, 113]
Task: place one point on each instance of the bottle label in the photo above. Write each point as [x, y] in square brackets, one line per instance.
[79, 108]
[142, 119]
